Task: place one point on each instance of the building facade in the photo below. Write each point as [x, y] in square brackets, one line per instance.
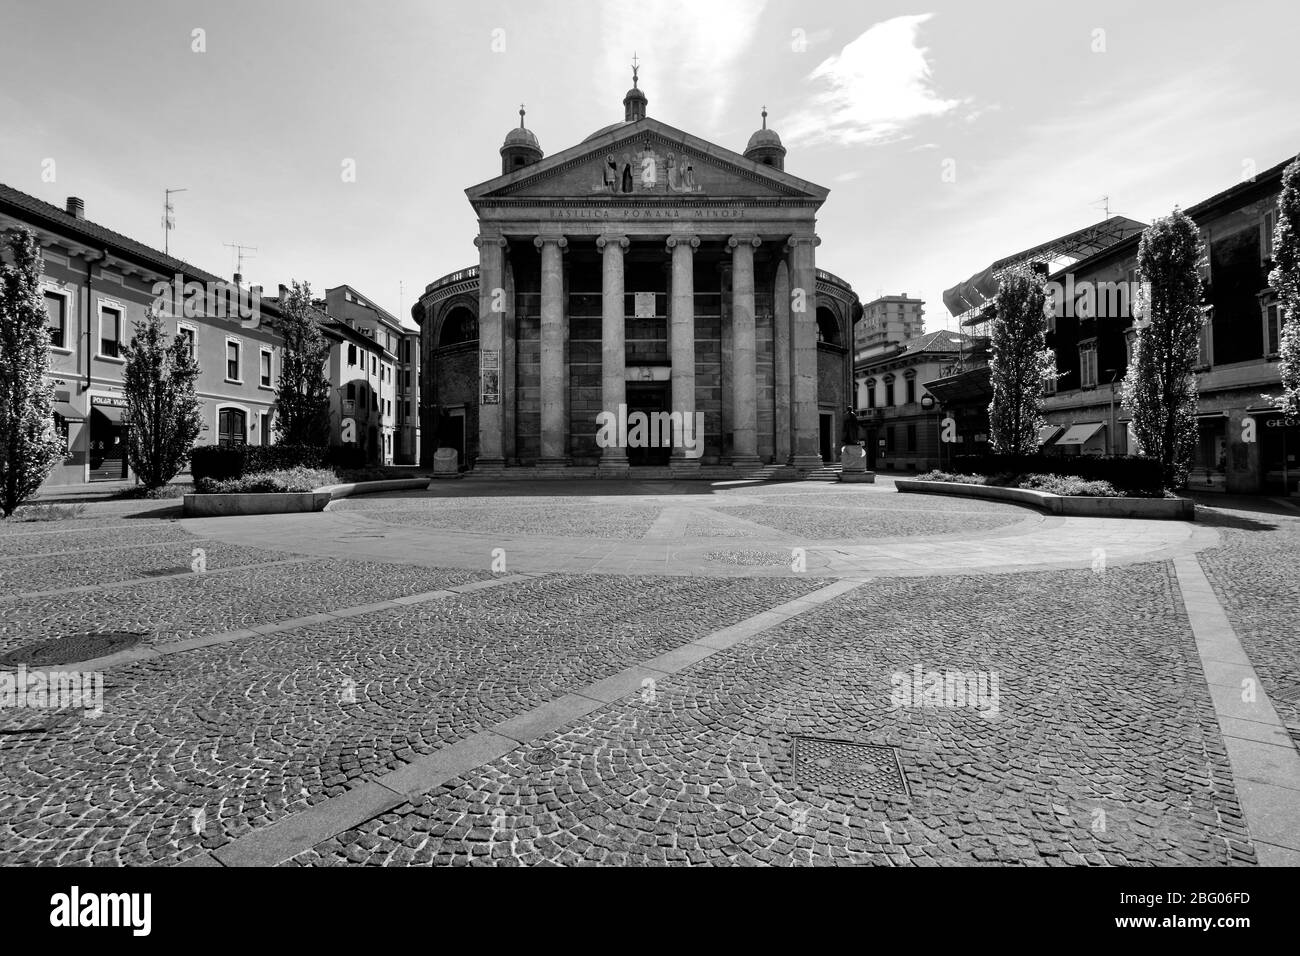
[396, 361]
[642, 276]
[1243, 444]
[900, 421]
[360, 392]
[97, 284]
[887, 321]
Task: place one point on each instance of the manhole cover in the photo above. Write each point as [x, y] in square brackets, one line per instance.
[743, 794]
[844, 765]
[541, 758]
[750, 559]
[74, 647]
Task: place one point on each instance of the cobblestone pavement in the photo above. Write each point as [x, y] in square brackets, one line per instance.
[247, 731]
[1105, 749]
[1256, 576]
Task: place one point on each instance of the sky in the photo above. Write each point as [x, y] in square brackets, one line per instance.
[949, 134]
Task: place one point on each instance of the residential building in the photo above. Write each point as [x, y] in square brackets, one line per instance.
[396, 364]
[965, 390]
[1242, 443]
[900, 421]
[97, 284]
[888, 321]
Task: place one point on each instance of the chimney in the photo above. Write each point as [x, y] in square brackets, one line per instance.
[238, 279]
[255, 290]
[284, 292]
[76, 208]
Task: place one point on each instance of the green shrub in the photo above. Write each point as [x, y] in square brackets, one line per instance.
[937, 475]
[1125, 472]
[1069, 485]
[223, 462]
[269, 482]
[216, 462]
[49, 512]
[1052, 484]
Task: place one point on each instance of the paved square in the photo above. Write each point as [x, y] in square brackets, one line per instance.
[488, 673]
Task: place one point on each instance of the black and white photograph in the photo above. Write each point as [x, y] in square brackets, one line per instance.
[649, 434]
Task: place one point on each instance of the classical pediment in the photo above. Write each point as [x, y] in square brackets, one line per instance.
[645, 160]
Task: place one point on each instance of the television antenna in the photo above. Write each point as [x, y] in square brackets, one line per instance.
[1104, 202]
[169, 218]
[241, 253]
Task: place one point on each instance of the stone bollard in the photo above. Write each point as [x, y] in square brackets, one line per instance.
[853, 465]
[445, 463]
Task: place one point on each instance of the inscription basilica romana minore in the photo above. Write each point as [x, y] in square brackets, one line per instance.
[647, 276]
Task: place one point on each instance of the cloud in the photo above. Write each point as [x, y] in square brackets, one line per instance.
[686, 48]
[871, 90]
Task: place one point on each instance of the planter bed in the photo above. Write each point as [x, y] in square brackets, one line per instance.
[274, 503]
[1174, 509]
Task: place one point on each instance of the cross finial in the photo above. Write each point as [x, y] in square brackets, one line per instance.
[635, 67]
[765, 117]
[521, 115]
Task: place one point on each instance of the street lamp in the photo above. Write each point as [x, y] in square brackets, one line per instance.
[1110, 430]
[927, 405]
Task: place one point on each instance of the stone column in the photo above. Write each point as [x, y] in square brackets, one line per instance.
[613, 354]
[491, 320]
[681, 339]
[744, 371]
[555, 430]
[806, 455]
[781, 363]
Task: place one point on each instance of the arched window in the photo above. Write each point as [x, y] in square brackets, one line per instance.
[871, 393]
[889, 391]
[909, 383]
[460, 326]
[828, 327]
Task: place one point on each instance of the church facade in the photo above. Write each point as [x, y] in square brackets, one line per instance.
[645, 303]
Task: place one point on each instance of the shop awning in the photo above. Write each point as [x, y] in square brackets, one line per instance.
[114, 413]
[1047, 433]
[68, 413]
[1079, 434]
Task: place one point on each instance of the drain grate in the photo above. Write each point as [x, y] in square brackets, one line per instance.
[743, 794]
[845, 765]
[72, 648]
[542, 757]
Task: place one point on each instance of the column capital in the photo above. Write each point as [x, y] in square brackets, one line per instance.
[690, 242]
[620, 242]
[560, 241]
[482, 241]
[794, 241]
[735, 241]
